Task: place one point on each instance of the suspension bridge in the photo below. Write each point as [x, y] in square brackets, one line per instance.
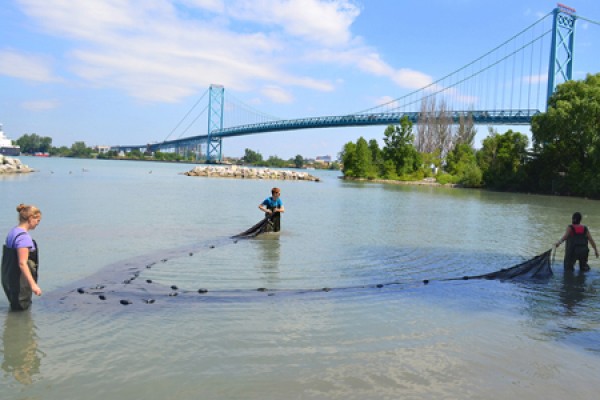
[508, 85]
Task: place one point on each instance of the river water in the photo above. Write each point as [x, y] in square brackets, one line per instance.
[294, 315]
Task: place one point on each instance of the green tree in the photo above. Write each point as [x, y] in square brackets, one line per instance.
[299, 161]
[348, 156]
[33, 143]
[376, 156]
[399, 148]
[80, 150]
[252, 157]
[502, 159]
[465, 133]
[363, 163]
[274, 161]
[62, 151]
[430, 162]
[462, 163]
[566, 140]
[166, 156]
[389, 171]
[135, 154]
[334, 166]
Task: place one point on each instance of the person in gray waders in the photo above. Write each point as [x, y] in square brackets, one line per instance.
[577, 237]
[20, 260]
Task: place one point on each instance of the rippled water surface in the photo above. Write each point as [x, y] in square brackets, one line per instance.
[333, 307]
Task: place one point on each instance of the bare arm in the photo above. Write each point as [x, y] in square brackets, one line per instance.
[265, 209]
[23, 255]
[564, 237]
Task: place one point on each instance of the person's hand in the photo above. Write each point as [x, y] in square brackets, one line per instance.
[38, 292]
[556, 244]
[596, 253]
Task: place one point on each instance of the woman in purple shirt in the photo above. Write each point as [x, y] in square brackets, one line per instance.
[20, 259]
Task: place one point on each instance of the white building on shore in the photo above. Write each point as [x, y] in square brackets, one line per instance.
[7, 148]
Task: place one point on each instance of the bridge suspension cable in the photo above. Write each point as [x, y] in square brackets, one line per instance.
[186, 115]
[239, 113]
[193, 122]
[461, 87]
[588, 20]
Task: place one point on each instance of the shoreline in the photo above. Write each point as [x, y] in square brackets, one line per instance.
[423, 182]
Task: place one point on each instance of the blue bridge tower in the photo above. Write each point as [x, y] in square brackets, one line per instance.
[216, 102]
[560, 67]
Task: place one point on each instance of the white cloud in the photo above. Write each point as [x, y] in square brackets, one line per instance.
[210, 5]
[25, 66]
[255, 101]
[164, 50]
[535, 79]
[40, 105]
[370, 62]
[146, 50]
[411, 79]
[387, 101]
[326, 22]
[277, 94]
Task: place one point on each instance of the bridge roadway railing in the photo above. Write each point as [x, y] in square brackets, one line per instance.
[500, 117]
[497, 117]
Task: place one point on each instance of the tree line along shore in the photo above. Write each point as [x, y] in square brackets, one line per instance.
[563, 159]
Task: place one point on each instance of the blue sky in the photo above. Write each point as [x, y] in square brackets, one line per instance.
[126, 71]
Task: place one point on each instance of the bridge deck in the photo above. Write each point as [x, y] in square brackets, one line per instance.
[498, 117]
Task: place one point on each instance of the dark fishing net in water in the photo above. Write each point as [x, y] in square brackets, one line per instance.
[133, 290]
[271, 223]
[537, 268]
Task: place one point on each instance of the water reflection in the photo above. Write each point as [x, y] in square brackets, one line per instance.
[21, 355]
[269, 260]
[572, 291]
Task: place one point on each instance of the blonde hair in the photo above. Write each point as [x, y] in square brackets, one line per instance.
[27, 211]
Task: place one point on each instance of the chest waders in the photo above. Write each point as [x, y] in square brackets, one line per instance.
[15, 285]
[577, 249]
[274, 222]
[274, 219]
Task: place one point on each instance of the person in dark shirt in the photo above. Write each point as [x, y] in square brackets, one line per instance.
[577, 237]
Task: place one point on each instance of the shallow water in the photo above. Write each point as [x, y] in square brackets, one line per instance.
[108, 222]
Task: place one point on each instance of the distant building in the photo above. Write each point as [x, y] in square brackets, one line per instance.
[6, 146]
[323, 159]
[102, 149]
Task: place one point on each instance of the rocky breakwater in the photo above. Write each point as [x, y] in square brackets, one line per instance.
[249, 173]
[10, 165]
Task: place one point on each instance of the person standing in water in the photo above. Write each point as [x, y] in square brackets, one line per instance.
[20, 260]
[273, 207]
[577, 237]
